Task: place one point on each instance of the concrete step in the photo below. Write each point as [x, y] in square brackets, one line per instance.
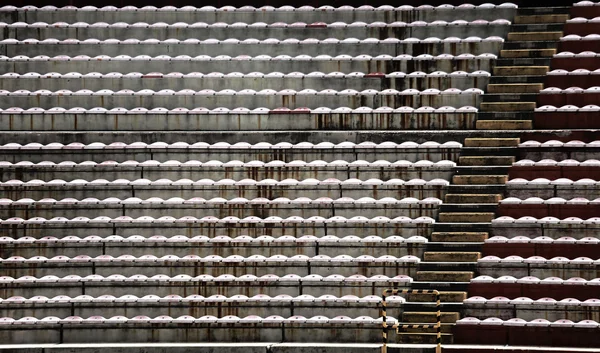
[459, 237]
[534, 36]
[515, 87]
[531, 44]
[504, 125]
[479, 179]
[451, 256]
[445, 297]
[521, 70]
[444, 276]
[527, 53]
[492, 142]
[486, 160]
[429, 317]
[510, 97]
[466, 217]
[541, 18]
[513, 106]
[472, 198]
[518, 115]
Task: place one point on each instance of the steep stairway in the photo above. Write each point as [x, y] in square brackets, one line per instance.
[478, 185]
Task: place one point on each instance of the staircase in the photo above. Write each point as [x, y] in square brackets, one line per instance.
[478, 185]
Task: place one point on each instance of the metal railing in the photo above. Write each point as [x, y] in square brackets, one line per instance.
[397, 326]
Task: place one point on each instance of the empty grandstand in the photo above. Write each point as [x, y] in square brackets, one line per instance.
[273, 177]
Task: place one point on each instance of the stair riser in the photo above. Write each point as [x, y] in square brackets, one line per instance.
[492, 142]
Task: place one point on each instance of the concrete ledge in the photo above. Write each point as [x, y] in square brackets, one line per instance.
[473, 198]
[479, 179]
[459, 236]
[451, 256]
[507, 106]
[485, 160]
[444, 276]
[520, 70]
[527, 53]
[466, 217]
[549, 18]
[526, 36]
[504, 124]
[515, 88]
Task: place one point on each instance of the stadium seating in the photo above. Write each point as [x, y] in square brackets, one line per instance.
[347, 176]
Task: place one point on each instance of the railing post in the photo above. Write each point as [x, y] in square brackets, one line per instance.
[438, 316]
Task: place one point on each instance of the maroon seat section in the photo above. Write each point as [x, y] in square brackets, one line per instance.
[585, 11]
[577, 46]
[546, 250]
[554, 172]
[566, 81]
[560, 99]
[526, 336]
[533, 291]
[566, 120]
[544, 210]
[574, 63]
[581, 29]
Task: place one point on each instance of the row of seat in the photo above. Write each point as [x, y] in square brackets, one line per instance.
[241, 240]
[245, 92]
[216, 298]
[223, 25]
[539, 201]
[532, 280]
[557, 143]
[576, 72]
[585, 3]
[254, 75]
[227, 182]
[159, 145]
[365, 201]
[444, 164]
[272, 220]
[253, 47]
[581, 54]
[251, 41]
[576, 37]
[165, 319]
[266, 8]
[493, 321]
[422, 109]
[559, 260]
[263, 57]
[541, 240]
[561, 163]
[190, 259]
[546, 220]
[583, 20]
[206, 278]
[569, 302]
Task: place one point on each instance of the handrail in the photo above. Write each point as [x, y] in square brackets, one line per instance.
[438, 315]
